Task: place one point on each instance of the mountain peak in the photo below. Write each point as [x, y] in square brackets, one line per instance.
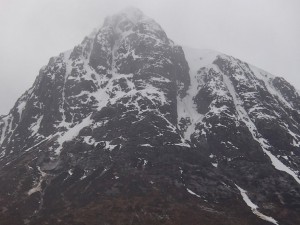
[130, 14]
[128, 18]
[129, 125]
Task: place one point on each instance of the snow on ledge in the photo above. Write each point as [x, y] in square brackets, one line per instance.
[255, 207]
[146, 145]
[215, 165]
[193, 193]
[183, 144]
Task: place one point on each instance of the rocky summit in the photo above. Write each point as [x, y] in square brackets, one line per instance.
[129, 128]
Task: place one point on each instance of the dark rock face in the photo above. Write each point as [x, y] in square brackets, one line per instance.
[128, 128]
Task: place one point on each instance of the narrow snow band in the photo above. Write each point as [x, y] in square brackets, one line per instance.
[255, 207]
[193, 193]
[280, 166]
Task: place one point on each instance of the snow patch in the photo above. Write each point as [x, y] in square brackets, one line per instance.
[255, 207]
[2, 154]
[72, 133]
[4, 128]
[193, 193]
[183, 145]
[70, 172]
[215, 165]
[109, 146]
[280, 166]
[21, 107]
[36, 126]
[38, 186]
[146, 145]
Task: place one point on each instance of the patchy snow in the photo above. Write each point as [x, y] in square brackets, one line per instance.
[89, 140]
[296, 137]
[181, 170]
[145, 162]
[255, 207]
[4, 128]
[36, 126]
[2, 154]
[84, 175]
[38, 186]
[285, 157]
[253, 130]
[267, 79]
[21, 107]
[215, 165]
[109, 146]
[112, 93]
[296, 143]
[72, 133]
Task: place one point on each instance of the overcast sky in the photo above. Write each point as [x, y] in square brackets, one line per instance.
[265, 33]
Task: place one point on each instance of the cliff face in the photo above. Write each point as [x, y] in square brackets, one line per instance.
[129, 128]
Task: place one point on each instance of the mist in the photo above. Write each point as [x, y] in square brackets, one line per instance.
[264, 33]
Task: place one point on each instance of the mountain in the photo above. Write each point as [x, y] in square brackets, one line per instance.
[130, 128]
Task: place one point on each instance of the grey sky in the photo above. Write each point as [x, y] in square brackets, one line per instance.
[265, 33]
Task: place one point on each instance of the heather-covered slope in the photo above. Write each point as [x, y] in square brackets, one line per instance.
[129, 128]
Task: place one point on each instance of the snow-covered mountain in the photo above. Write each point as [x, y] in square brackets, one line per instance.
[130, 128]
